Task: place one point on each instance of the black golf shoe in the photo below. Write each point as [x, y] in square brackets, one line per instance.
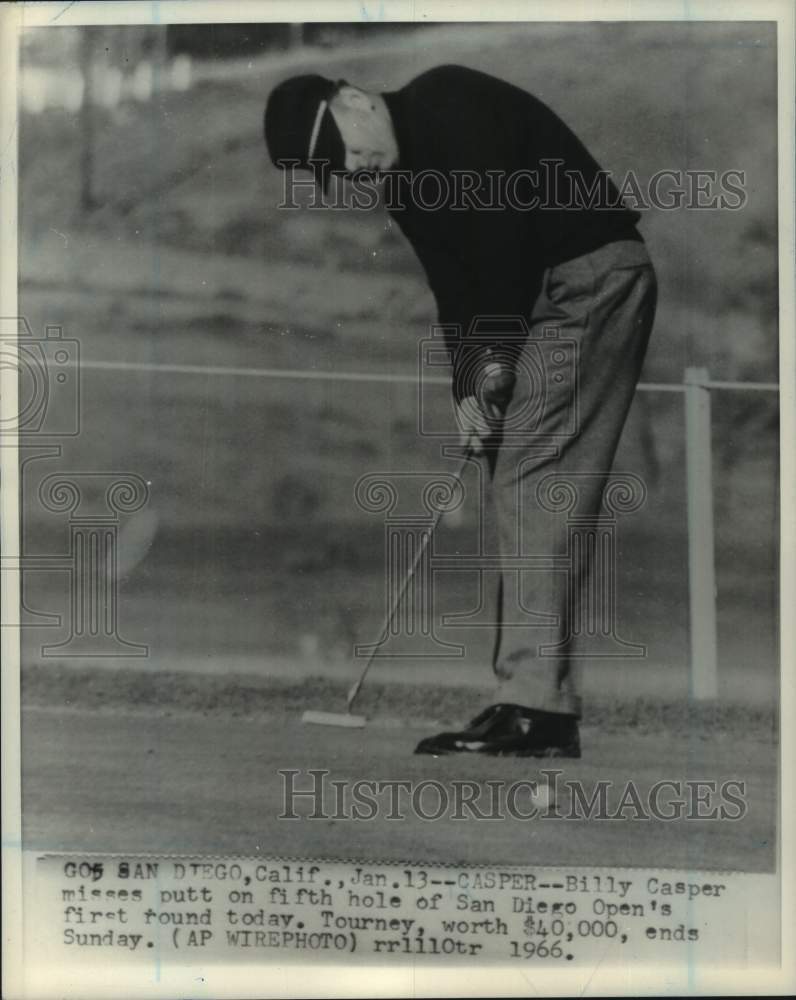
[510, 731]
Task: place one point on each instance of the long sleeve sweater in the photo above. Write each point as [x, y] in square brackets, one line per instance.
[541, 198]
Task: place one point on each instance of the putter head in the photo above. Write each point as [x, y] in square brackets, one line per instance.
[346, 721]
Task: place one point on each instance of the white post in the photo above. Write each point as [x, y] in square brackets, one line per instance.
[703, 682]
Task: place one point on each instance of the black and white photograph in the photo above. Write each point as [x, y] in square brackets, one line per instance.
[398, 472]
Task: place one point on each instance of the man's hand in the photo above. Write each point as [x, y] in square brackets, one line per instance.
[474, 427]
[479, 416]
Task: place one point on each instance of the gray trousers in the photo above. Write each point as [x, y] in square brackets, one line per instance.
[577, 375]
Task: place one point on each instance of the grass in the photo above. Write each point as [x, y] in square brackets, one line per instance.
[266, 698]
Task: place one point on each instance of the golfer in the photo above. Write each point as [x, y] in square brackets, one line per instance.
[513, 219]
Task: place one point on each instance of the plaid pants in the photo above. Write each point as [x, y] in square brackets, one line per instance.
[589, 331]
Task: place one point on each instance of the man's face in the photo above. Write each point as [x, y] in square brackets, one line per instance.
[366, 129]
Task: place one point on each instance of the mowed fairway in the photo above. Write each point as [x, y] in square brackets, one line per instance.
[150, 782]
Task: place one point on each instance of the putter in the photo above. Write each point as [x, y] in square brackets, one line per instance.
[358, 721]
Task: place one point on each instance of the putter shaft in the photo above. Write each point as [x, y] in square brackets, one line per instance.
[354, 690]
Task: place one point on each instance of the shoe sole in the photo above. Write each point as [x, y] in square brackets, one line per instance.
[572, 753]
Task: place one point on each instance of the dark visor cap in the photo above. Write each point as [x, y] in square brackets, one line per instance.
[299, 127]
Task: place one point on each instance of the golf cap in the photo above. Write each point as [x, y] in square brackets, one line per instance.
[298, 126]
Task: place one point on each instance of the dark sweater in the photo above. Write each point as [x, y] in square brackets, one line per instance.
[481, 262]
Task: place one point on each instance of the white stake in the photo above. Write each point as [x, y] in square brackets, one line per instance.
[701, 546]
